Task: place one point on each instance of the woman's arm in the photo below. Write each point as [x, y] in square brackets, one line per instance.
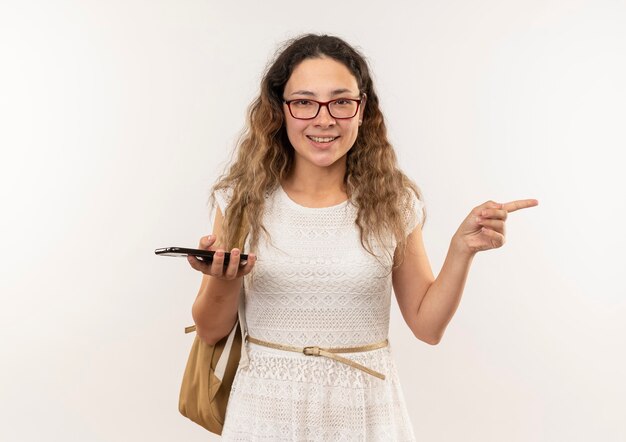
[428, 305]
[215, 308]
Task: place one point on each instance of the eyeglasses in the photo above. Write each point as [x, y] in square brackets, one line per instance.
[306, 109]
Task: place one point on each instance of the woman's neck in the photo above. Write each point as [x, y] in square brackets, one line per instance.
[319, 188]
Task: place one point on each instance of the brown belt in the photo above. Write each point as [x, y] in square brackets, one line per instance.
[328, 352]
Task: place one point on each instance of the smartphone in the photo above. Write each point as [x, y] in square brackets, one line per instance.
[202, 255]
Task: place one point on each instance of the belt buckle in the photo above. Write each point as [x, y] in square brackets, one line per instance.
[311, 351]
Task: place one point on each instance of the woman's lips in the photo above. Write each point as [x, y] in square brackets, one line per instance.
[322, 141]
[325, 139]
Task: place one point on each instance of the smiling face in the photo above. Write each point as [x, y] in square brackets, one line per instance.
[322, 141]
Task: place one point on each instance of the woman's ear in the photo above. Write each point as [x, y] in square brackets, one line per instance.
[362, 109]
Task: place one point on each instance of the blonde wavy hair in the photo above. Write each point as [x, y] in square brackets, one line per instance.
[264, 157]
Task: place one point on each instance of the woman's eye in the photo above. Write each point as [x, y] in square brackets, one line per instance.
[303, 103]
[342, 102]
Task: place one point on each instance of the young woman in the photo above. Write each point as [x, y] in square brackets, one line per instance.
[316, 192]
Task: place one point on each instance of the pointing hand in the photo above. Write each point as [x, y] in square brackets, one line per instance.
[484, 227]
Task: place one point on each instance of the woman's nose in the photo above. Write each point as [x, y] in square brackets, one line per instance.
[324, 118]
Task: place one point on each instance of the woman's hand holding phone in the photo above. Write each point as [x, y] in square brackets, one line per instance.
[234, 269]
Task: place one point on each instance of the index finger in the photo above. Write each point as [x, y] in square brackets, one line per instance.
[519, 204]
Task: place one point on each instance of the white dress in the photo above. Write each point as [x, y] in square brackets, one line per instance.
[314, 284]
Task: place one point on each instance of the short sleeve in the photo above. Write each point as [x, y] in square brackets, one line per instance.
[222, 198]
[413, 213]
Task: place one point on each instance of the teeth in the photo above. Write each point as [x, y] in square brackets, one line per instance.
[322, 140]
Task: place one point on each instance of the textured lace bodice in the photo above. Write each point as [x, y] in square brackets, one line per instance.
[313, 283]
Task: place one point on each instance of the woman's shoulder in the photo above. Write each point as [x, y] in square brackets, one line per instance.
[223, 196]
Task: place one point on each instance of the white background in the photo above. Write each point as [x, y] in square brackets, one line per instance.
[117, 116]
